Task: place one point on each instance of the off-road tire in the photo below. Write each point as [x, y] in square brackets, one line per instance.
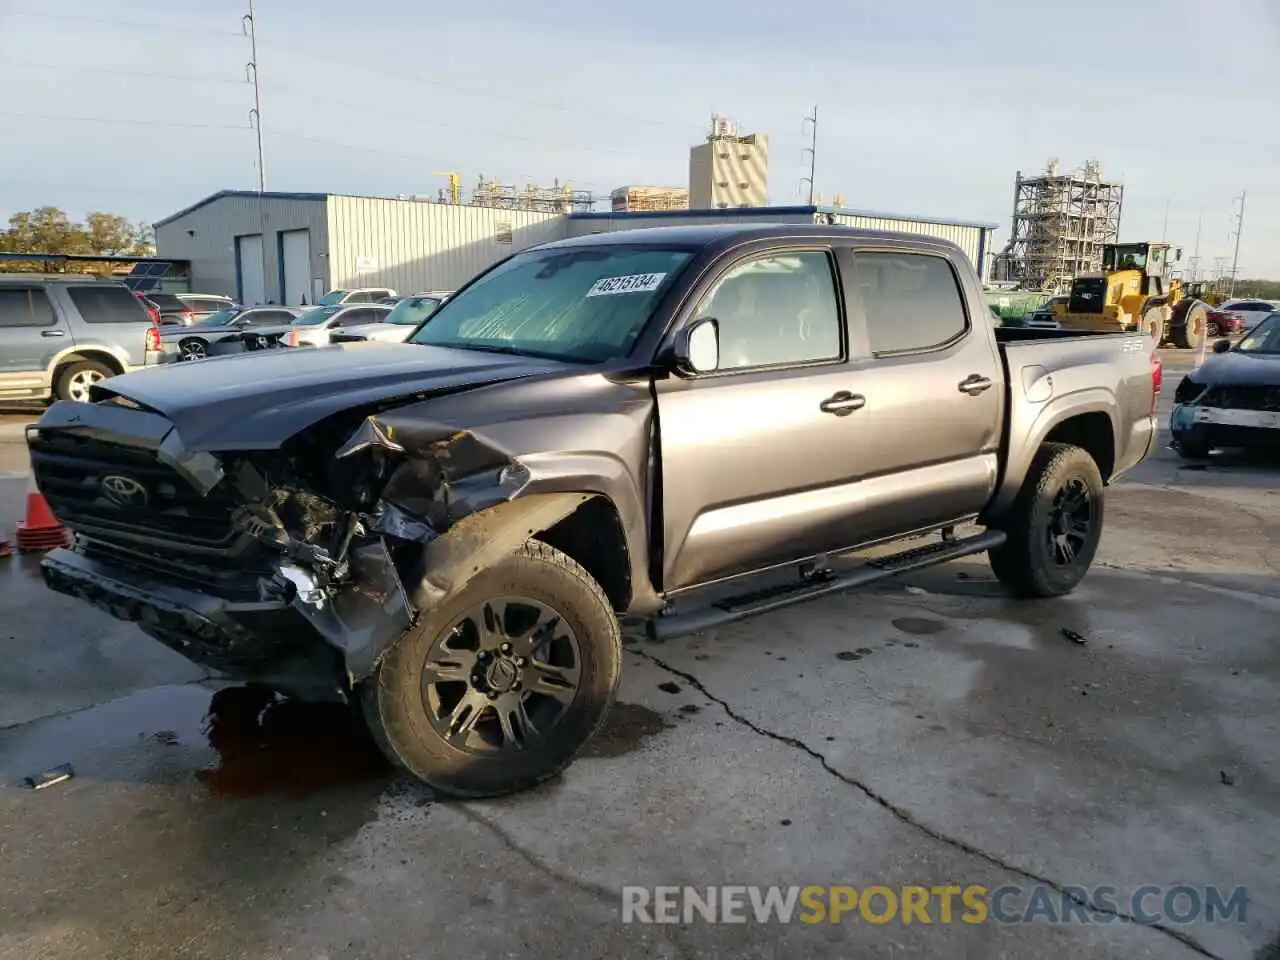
[1154, 324]
[392, 699]
[1024, 563]
[72, 373]
[1194, 327]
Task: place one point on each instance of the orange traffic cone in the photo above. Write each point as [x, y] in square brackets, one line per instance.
[41, 530]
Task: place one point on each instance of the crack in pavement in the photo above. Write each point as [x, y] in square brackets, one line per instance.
[910, 820]
[595, 891]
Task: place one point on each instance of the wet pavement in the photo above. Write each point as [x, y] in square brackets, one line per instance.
[928, 732]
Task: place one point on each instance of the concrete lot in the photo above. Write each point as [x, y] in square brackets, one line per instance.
[931, 732]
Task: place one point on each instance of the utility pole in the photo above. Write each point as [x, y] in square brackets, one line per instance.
[1193, 266]
[812, 149]
[1235, 257]
[249, 25]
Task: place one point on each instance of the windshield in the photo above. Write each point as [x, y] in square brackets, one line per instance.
[217, 319]
[1264, 338]
[411, 311]
[584, 304]
[317, 315]
[330, 298]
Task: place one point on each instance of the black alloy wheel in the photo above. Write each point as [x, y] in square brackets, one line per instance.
[503, 676]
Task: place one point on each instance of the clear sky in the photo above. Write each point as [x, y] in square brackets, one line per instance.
[925, 107]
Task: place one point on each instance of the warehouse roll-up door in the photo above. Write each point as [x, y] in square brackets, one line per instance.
[295, 266]
[252, 280]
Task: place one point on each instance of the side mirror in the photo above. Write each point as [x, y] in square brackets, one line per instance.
[1221, 346]
[697, 347]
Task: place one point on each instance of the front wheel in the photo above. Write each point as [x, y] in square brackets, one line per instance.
[501, 686]
[1054, 525]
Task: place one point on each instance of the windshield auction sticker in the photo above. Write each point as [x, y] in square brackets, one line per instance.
[635, 283]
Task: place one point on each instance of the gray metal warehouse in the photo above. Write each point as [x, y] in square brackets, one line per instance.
[292, 247]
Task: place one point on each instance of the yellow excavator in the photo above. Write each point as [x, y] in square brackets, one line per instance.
[1134, 292]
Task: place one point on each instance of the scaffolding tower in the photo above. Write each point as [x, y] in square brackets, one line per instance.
[553, 199]
[1060, 222]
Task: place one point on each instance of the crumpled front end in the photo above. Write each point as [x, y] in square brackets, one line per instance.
[243, 561]
[1225, 414]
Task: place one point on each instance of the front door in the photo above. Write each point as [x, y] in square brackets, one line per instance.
[31, 335]
[760, 458]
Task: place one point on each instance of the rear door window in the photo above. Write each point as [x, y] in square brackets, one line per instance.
[909, 301]
[25, 307]
[203, 306]
[107, 304]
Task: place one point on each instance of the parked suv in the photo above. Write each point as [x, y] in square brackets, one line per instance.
[359, 295]
[60, 335]
[188, 308]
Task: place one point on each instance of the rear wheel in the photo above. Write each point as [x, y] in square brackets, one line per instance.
[501, 686]
[75, 380]
[1054, 525]
[193, 349]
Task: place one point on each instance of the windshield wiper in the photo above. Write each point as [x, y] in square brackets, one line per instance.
[504, 349]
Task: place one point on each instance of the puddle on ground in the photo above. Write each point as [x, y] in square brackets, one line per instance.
[237, 741]
[919, 626]
[627, 727]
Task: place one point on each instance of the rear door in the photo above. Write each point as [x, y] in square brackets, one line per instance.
[111, 317]
[31, 334]
[934, 391]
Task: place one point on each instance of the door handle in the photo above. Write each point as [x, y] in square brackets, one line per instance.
[974, 384]
[842, 403]
[53, 333]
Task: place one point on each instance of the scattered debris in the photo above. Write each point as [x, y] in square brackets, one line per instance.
[782, 658]
[911, 643]
[830, 739]
[785, 822]
[49, 777]
[863, 650]
[1073, 636]
[1084, 693]
[168, 737]
[1227, 779]
[916, 591]
[669, 687]
[690, 708]
[848, 655]
[701, 656]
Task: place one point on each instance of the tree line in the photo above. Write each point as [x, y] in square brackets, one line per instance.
[50, 230]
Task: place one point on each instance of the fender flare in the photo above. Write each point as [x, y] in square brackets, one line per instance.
[481, 539]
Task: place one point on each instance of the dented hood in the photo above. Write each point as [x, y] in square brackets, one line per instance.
[258, 400]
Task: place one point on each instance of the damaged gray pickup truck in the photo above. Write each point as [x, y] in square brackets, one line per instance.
[680, 426]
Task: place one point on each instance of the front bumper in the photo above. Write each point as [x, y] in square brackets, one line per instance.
[1216, 427]
[233, 636]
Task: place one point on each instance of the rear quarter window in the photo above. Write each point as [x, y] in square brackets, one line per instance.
[107, 304]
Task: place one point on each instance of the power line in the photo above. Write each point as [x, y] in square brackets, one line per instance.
[125, 122]
[116, 72]
[131, 24]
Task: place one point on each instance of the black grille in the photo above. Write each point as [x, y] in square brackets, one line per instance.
[1088, 295]
[1243, 397]
[70, 470]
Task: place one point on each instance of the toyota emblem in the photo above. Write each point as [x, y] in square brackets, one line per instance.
[124, 491]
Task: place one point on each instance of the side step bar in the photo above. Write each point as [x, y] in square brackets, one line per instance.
[668, 626]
